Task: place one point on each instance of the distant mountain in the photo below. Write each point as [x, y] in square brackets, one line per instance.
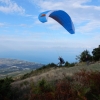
[11, 67]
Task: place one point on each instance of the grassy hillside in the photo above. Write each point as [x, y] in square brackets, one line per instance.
[56, 73]
[80, 82]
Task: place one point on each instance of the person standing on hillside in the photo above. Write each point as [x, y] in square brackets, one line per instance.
[61, 61]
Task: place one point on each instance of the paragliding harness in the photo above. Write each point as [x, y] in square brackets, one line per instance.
[61, 61]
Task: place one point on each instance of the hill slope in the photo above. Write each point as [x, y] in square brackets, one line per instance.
[59, 73]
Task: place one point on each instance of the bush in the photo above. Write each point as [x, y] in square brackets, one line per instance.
[5, 88]
[67, 64]
[89, 83]
[84, 85]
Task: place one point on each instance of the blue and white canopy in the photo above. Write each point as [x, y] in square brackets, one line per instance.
[61, 17]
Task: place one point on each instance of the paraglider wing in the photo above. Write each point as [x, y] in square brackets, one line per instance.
[61, 17]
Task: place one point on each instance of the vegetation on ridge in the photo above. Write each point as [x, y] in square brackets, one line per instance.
[82, 85]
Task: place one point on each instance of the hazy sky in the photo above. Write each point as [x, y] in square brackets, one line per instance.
[22, 36]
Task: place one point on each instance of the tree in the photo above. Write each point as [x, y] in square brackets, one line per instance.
[67, 63]
[84, 56]
[96, 54]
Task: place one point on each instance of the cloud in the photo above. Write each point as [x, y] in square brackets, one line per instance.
[89, 27]
[2, 24]
[33, 43]
[85, 17]
[9, 6]
[97, 37]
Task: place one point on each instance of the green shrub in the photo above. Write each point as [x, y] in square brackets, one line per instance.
[5, 88]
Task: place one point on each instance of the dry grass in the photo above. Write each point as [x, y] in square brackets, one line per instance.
[59, 73]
